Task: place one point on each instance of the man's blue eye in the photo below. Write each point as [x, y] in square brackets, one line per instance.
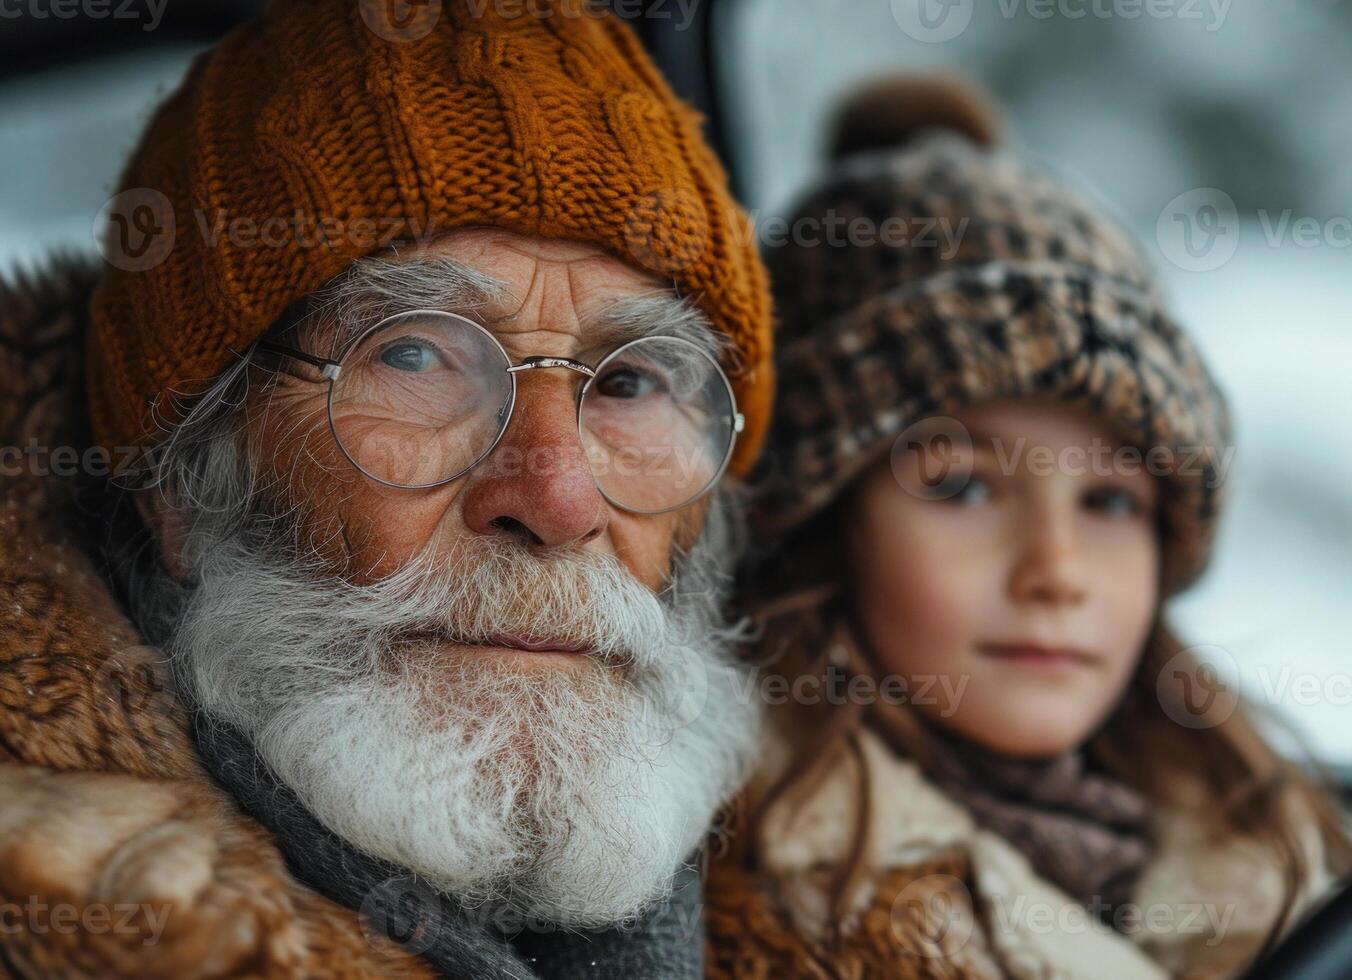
[408, 357]
[626, 383]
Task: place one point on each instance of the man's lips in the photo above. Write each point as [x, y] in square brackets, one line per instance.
[512, 641]
[1037, 654]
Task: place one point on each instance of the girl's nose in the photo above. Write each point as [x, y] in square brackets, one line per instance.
[1050, 568]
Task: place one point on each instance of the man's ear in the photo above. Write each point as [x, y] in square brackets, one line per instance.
[168, 524]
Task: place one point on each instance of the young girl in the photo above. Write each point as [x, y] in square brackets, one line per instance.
[995, 456]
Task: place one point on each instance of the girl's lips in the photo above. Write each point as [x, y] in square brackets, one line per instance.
[1037, 655]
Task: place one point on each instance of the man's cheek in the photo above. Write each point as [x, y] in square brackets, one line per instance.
[377, 532]
[644, 544]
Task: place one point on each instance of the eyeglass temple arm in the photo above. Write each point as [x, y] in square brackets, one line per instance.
[328, 368]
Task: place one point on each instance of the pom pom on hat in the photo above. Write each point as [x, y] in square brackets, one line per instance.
[889, 112]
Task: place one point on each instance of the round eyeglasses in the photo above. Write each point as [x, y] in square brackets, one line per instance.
[423, 396]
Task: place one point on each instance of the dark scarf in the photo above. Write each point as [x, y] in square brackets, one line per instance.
[1080, 828]
[667, 943]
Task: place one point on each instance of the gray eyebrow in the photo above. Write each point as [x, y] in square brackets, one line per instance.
[375, 287]
[659, 313]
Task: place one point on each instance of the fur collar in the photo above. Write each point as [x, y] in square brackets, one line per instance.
[106, 810]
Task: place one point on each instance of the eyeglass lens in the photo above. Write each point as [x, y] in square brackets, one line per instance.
[425, 396]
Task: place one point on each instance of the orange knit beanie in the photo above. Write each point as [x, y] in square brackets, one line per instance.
[326, 130]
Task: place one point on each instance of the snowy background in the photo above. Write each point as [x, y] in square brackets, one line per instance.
[1248, 98]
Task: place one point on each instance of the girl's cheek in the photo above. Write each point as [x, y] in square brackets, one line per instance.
[1125, 564]
[919, 588]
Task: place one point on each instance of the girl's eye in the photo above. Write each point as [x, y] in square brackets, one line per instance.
[967, 490]
[1113, 502]
[408, 355]
[627, 383]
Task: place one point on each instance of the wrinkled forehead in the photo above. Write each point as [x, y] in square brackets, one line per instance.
[531, 269]
[514, 285]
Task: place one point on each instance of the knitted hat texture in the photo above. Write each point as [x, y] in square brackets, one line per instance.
[327, 130]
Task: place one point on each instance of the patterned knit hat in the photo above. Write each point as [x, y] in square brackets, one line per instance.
[1034, 293]
[325, 130]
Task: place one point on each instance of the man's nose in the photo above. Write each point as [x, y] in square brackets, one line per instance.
[1049, 568]
[537, 484]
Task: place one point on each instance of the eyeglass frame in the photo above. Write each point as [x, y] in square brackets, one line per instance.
[331, 369]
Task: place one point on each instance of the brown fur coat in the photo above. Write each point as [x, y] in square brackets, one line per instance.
[118, 856]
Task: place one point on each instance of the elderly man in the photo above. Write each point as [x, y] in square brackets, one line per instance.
[423, 354]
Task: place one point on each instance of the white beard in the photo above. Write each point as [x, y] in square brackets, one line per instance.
[567, 794]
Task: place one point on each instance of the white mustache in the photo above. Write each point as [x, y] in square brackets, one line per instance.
[485, 588]
[334, 630]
